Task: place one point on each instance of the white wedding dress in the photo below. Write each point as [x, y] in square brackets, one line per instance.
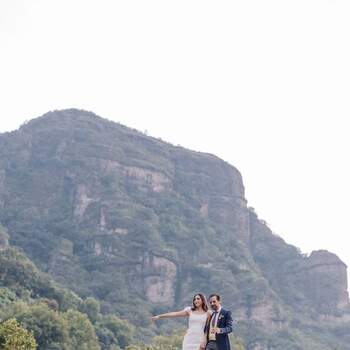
[195, 332]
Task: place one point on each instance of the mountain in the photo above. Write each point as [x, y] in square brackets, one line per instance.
[142, 225]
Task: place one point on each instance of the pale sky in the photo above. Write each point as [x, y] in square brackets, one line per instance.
[263, 84]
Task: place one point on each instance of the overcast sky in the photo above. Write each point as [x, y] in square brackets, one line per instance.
[263, 84]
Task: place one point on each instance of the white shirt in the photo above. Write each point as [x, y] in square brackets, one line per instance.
[212, 336]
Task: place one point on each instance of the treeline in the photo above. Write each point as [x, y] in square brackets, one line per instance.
[35, 313]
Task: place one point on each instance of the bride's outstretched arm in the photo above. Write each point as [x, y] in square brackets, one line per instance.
[181, 313]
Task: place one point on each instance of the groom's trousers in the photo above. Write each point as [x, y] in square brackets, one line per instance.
[212, 345]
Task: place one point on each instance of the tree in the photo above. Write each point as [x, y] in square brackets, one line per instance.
[92, 308]
[49, 328]
[81, 332]
[236, 343]
[173, 341]
[13, 336]
[114, 333]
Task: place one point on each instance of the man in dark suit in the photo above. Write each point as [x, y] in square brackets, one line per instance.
[218, 326]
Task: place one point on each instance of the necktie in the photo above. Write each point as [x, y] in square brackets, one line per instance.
[214, 319]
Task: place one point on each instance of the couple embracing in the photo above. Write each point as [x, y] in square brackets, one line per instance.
[207, 329]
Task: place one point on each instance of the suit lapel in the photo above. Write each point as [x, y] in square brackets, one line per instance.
[220, 316]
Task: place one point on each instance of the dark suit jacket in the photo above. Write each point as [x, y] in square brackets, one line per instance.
[225, 324]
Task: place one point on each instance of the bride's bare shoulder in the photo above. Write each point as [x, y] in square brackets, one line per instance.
[187, 309]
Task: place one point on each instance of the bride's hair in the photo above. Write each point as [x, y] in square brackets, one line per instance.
[204, 302]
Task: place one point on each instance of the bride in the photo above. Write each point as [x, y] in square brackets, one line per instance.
[197, 317]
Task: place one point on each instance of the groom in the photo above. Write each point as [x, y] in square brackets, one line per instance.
[218, 326]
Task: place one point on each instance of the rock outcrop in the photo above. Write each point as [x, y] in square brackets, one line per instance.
[4, 238]
[322, 278]
[159, 279]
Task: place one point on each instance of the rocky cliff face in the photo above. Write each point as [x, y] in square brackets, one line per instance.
[4, 238]
[318, 281]
[143, 225]
[322, 277]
